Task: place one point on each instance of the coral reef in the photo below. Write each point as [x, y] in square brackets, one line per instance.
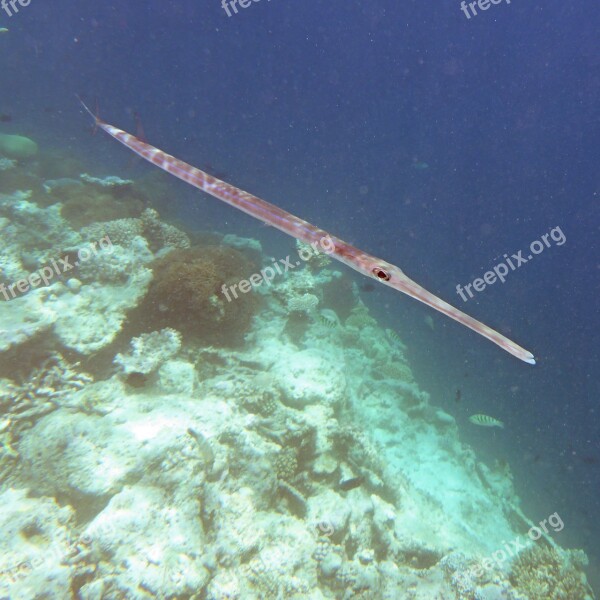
[315, 259]
[177, 377]
[85, 309]
[111, 181]
[231, 491]
[89, 200]
[313, 377]
[360, 318]
[543, 573]
[24, 402]
[186, 293]
[303, 461]
[149, 351]
[250, 247]
[32, 235]
[160, 234]
[90, 319]
[24, 318]
[36, 536]
[114, 264]
[123, 232]
[305, 303]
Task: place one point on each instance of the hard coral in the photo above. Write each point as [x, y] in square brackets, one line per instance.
[85, 202]
[187, 293]
[23, 403]
[286, 464]
[123, 232]
[544, 574]
[161, 234]
[360, 317]
[149, 351]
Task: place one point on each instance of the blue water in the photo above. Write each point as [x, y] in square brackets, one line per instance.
[329, 109]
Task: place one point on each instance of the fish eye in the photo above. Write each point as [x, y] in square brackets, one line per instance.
[381, 274]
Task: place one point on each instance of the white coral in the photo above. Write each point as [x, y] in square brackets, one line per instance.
[110, 181]
[91, 319]
[114, 264]
[6, 164]
[23, 318]
[150, 350]
[305, 303]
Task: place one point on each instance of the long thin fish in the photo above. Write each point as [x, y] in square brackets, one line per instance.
[360, 261]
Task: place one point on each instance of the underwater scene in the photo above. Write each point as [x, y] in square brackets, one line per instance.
[299, 300]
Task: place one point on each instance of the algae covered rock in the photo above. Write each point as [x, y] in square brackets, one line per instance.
[312, 378]
[35, 538]
[23, 318]
[17, 147]
[149, 351]
[91, 319]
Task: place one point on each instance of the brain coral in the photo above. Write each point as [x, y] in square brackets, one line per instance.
[186, 293]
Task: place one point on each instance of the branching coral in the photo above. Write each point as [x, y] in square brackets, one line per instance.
[545, 574]
[24, 403]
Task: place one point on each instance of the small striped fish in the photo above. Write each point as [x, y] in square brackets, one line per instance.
[327, 321]
[395, 339]
[486, 421]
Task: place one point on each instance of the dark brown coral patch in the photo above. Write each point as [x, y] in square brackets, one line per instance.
[84, 204]
[187, 294]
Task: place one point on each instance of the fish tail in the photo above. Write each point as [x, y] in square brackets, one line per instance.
[97, 120]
